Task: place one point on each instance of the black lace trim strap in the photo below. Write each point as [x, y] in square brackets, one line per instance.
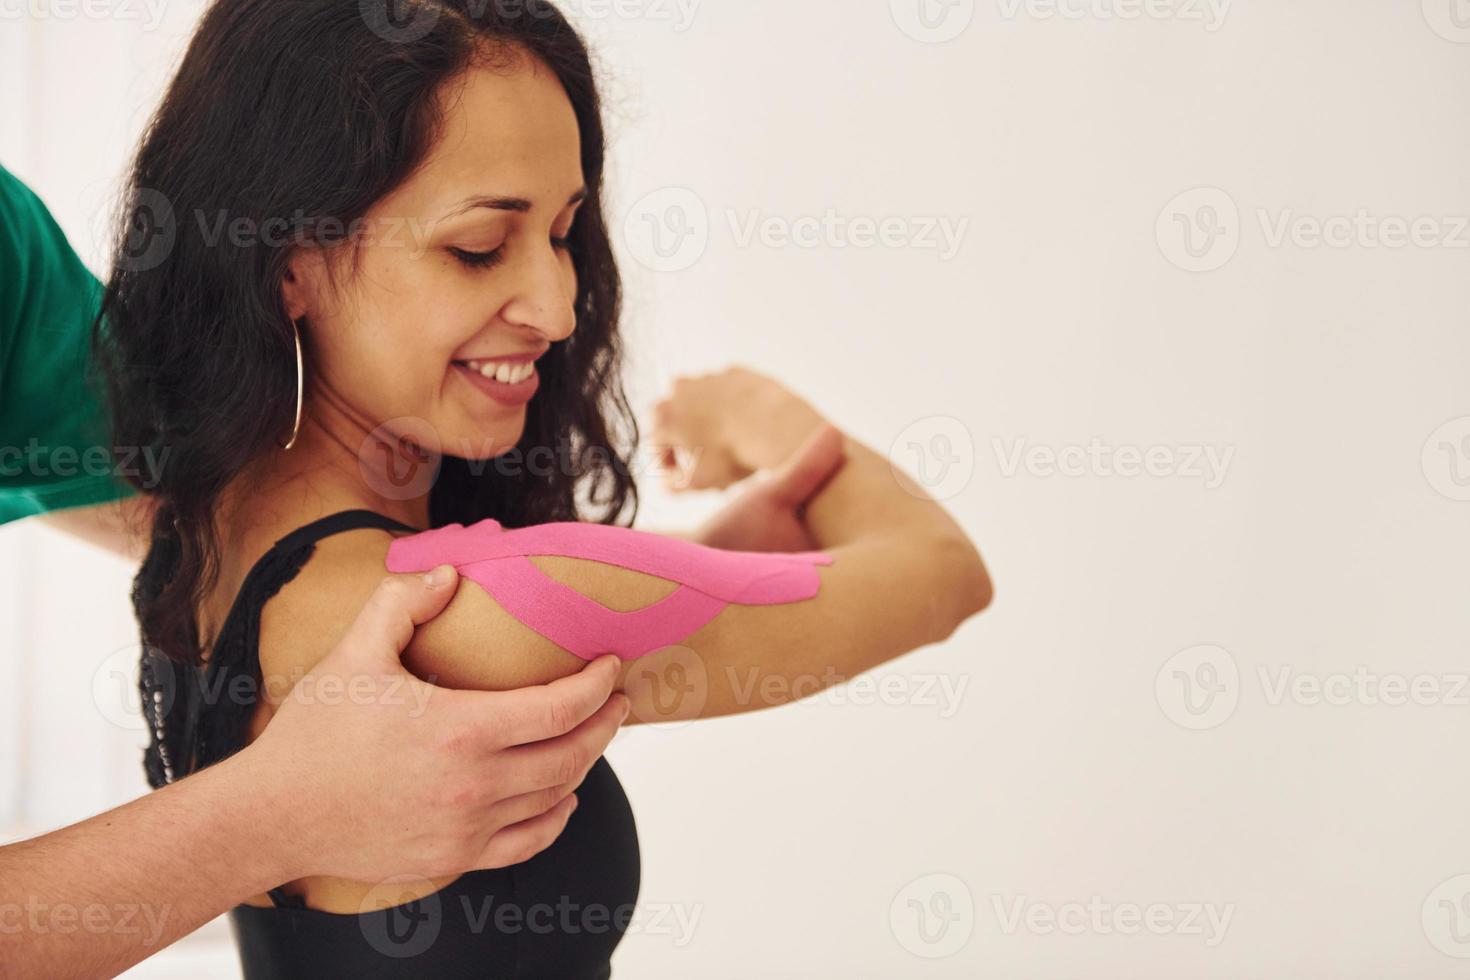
[219, 713]
[339, 523]
[221, 699]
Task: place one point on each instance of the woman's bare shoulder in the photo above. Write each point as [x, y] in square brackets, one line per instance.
[474, 643]
[311, 613]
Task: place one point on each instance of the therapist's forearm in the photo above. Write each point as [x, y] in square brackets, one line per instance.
[97, 897]
[121, 527]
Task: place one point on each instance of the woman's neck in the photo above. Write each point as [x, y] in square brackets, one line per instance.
[337, 463]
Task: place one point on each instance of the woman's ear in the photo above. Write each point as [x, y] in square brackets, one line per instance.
[299, 287]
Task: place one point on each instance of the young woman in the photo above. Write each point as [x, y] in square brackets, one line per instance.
[357, 242]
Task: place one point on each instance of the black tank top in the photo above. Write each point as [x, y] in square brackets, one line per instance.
[558, 915]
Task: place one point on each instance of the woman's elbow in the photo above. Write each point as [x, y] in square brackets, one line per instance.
[965, 581]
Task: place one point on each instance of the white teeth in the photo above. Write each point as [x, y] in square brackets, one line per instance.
[503, 372]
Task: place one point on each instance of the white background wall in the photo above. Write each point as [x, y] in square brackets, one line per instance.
[1086, 763]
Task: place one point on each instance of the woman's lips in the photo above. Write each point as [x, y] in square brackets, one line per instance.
[511, 395]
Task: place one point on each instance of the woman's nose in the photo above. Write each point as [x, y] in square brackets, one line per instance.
[546, 297]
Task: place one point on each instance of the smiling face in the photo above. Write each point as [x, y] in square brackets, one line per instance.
[460, 278]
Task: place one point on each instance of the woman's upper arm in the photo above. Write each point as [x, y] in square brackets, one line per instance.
[475, 644]
[875, 602]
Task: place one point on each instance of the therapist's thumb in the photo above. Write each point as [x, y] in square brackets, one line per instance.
[397, 606]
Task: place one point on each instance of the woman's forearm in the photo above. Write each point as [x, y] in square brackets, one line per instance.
[101, 895]
[905, 575]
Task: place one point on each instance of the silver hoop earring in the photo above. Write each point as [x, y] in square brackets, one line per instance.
[300, 388]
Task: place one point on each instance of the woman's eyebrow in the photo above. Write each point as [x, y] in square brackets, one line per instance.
[517, 204]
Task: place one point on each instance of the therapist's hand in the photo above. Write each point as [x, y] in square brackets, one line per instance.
[390, 775]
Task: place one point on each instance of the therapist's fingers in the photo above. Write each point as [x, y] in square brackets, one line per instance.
[564, 760]
[523, 841]
[532, 714]
[517, 809]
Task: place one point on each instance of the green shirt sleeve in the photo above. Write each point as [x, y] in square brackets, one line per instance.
[55, 451]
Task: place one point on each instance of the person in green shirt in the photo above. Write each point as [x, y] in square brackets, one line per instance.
[53, 453]
[381, 792]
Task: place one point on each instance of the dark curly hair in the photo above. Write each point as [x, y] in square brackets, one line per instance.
[284, 108]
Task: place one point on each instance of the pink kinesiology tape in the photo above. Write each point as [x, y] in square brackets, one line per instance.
[709, 579]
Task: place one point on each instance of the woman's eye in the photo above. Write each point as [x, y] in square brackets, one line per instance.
[563, 243]
[476, 260]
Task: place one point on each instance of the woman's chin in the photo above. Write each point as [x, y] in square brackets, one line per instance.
[484, 442]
